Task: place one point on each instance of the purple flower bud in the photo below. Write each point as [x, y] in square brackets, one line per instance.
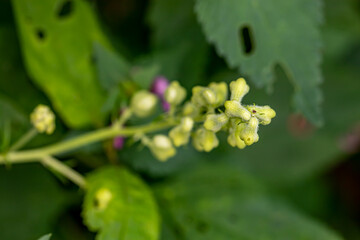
[165, 105]
[159, 86]
[118, 142]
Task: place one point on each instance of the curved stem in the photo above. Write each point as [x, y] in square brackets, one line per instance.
[64, 170]
[71, 144]
[24, 139]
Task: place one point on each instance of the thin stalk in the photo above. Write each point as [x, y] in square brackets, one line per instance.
[64, 170]
[85, 139]
[24, 140]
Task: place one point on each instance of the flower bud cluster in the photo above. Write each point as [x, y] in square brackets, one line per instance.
[43, 119]
[198, 118]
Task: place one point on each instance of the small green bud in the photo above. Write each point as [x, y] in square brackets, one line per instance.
[235, 109]
[180, 134]
[234, 137]
[187, 124]
[175, 93]
[143, 103]
[249, 131]
[205, 140]
[203, 96]
[190, 109]
[162, 147]
[221, 91]
[43, 119]
[238, 89]
[263, 113]
[214, 122]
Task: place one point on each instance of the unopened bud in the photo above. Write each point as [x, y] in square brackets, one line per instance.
[221, 91]
[43, 119]
[175, 93]
[235, 109]
[249, 132]
[214, 122]
[162, 147]
[180, 134]
[234, 137]
[205, 140]
[143, 103]
[190, 109]
[203, 97]
[263, 113]
[238, 89]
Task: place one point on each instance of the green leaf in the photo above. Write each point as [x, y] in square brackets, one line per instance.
[225, 203]
[178, 44]
[281, 32]
[31, 201]
[45, 237]
[111, 67]
[57, 49]
[129, 213]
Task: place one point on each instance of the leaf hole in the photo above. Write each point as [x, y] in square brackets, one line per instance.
[40, 34]
[247, 40]
[65, 9]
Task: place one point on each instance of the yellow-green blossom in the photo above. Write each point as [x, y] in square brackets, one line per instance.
[175, 93]
[221, 92]
[43, 119]
[263, 113]
[205, 140]
[143, 103]
[249, 131]
[161, 147]
[214, 122]
[180, 134]
[234, 136]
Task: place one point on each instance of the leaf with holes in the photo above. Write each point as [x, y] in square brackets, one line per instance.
[227, 204]
[57, 41]
[272, 32]
[120, 206]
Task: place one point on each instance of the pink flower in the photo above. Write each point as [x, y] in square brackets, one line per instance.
[159, 87]
[118, 142]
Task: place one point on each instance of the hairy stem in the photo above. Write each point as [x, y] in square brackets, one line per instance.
[64, 170]
[85, 139]
[24, 139]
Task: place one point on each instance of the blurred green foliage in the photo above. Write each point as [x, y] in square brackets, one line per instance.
[86, 66]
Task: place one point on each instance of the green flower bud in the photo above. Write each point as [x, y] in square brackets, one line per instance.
[180, 134]
[205, 140]
[214, 122]
[249, 132]
[187, 124]
[221, 91]
[203, 96]
[43, 119]
[175, 93]
[143, 103]
[235, 109]
[234, 137]
[190, 109]
[162, 147]
[263, 113]
[238, 89]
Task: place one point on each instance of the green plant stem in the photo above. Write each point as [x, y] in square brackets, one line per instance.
[24, 139]
[64, 170]
[71, 144]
